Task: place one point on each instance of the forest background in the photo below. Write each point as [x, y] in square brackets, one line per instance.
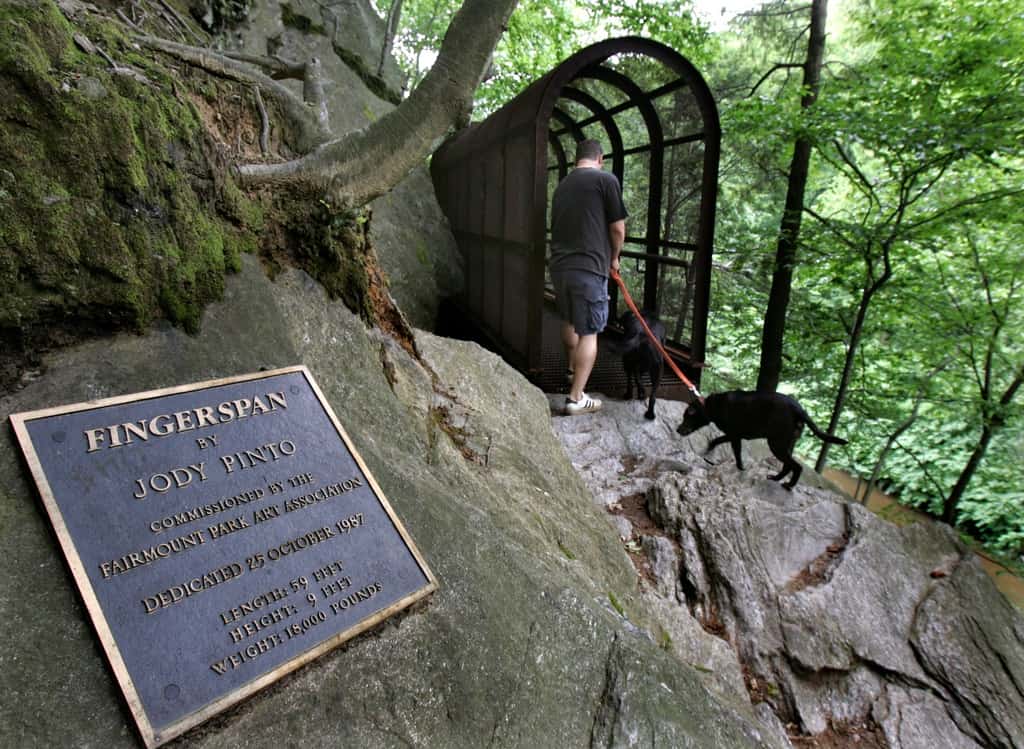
[904, 328]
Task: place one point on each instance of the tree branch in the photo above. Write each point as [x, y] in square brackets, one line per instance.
[277, 67]
[177, 17]
[313, 92]
[976, 200]
[827, 223]
[366, 163]
[308, 130]
[775, 67]
[390, 30]
[869, 189]
[939, 489]
[264, 122]
[893, 438]
[774, 13]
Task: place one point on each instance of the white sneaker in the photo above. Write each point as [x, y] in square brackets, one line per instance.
[584, 405]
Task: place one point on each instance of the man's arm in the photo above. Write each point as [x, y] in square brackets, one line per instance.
[617, 235]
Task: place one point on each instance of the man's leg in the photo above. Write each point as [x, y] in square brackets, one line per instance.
[583, 363]
[569, 341]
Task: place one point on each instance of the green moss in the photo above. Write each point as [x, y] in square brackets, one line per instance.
[332, 245]
[33, 36]
[616, 605]
[241, 209]
[110, 214]
[422, 253]
[568, 554]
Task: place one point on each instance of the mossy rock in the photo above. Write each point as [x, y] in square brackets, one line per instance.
[117, 208]
[111, 214]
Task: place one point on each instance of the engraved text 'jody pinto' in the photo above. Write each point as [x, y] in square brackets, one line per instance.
[230, 522]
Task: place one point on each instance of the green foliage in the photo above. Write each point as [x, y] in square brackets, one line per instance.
[917, 136]
[917, 164]
[541, 33]
[422, 27]
[671, 23]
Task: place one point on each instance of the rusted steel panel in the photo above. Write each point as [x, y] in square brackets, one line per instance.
[514, 310]
[494, 181]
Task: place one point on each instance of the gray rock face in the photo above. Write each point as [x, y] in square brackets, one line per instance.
[416, 248]
[837, 617]
[916, 719]
[525, 644]
[848, 616]
[620, 455]
[346, 36]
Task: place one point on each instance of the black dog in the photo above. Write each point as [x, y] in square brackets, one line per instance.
[744, 415]
[640, 355]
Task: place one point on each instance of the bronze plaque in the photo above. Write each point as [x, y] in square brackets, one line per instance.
[221, 534]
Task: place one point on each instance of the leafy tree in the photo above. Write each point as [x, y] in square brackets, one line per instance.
[919, 98]
[417, 30]
[988, 326]
[916, 137]
[929, 109]
[671, 23]
[541, 34]
[792, 213]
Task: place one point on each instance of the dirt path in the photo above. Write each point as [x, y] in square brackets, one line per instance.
[886, 507]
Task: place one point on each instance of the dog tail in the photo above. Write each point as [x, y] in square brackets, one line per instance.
[818, 431]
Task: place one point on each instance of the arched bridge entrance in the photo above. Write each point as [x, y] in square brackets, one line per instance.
[658, 123]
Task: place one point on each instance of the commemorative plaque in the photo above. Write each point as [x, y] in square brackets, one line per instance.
[221, 535]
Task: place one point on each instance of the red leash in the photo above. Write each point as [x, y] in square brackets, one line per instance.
[654, 339]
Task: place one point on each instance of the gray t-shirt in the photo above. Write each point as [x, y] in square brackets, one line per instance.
[584, 204]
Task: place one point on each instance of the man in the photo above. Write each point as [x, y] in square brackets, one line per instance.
[588, 227]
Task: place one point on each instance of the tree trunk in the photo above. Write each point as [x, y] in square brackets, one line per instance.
[951, 506]
[856, 332]
[364, 164]
[993, 422]
[390, 30]
[789, 229]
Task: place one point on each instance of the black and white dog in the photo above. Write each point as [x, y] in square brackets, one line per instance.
[745, 415]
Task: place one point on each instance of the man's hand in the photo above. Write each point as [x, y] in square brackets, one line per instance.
[615, 264]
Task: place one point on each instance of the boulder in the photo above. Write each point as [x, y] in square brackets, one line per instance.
[839, 624]
[621, 456]
[416, 249]
[843, 615]
[537, 636]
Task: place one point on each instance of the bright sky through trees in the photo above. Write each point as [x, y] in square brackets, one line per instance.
[718, 13]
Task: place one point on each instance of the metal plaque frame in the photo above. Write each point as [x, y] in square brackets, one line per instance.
[105, 622]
